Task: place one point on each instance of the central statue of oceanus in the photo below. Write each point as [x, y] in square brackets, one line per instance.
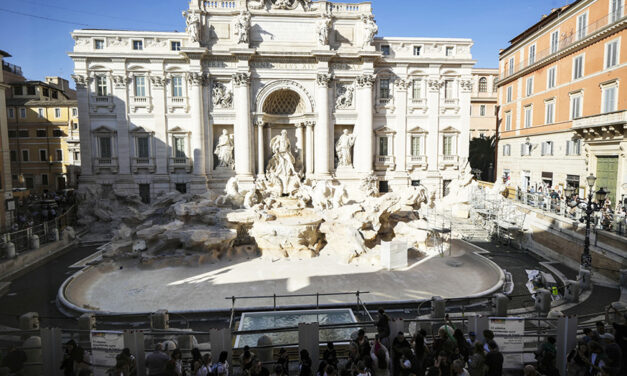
[280, 172]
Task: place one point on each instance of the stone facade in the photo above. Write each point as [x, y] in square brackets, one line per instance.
[162, 111]
[483, 102]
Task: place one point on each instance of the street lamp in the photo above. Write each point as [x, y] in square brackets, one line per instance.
[586, 260]
[569, 190]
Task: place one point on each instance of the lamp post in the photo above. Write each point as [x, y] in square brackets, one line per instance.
[586, 260]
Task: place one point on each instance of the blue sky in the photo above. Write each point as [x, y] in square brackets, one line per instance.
[40, 45]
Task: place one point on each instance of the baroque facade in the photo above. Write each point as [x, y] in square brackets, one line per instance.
[166, 110]
[483, 102]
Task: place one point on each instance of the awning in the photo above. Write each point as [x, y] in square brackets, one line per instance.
[547, 175]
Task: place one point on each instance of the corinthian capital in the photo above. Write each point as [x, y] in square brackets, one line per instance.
[434, 85]
[241, 79]
[157, 81]
[402, 84]
[366, 80]
[120, 81]
[466, 85]
[195, 78]
[80, 80]
[324, 79]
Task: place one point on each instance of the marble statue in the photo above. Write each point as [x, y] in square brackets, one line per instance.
[324, 28]
[343, 149]
[242, 27]
[369, 185]
[193, 26]
[224, 150]
[221, 96]
[281, 166]
[370, 29]
[345, 98]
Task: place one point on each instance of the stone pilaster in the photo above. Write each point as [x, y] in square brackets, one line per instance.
[323, 131]
[300, 143]
[195, 80]
[121, 100]
[363, 149]
[260, 148]
[242, 130]
[82, 96]
[309, 149]
[400, 147]
[160, 153]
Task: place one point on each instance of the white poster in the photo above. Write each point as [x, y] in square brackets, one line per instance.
[105, 345]
[508, 335]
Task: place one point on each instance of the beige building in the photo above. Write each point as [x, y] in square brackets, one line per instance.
[7, 204]
[483, 102]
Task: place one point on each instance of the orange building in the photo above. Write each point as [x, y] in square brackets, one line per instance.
[563, 100]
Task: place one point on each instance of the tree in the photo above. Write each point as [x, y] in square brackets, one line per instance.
[481, 156]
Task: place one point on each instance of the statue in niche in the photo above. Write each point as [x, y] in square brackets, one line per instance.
[224, 150]
[345, 98]
[242, 27]
[192, 22]
[324, 28]
[370, 29]
[280, 170]
[343, 149]
[221, 96]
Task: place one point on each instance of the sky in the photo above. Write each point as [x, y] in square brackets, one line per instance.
[37, 32]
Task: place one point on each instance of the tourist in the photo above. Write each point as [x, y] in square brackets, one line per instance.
[222, 367]
[494, 360]
[284, 361]
[614, 355]
[321, 368]
[246, 359]
[488, 336]
[421, 351]
[278, 370]
[383, 327]
[205, 366]
[363, 346]
[353, 358]
[196, 361]
[407, 364]
[472, 339]
[380, 359]
[361, 369]
[329, 355]
[546, 356]
[125, 363]
[433, 371]
[458, 368]
[463, 348]
[530, 370]
[587, 335]
[444, 343]
[330, 371]
[442, 363]
[258, 369]
[304, 367]
[476, 363]
[73, 359]
[14, 360]
[175, 365]
[156, 361]
[597, 357]
[399, 344]
[578, 360]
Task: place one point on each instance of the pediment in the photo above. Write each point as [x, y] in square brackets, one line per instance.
[417, 129]
[177, 129]
[139, 130]
[103, 129]
[383, 130]
[449, 130]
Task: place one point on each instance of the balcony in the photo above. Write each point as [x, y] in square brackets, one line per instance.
[178, 102]
[180, 163]
[449, 161]
[101, 101]
[449, 104]
[385, 162]
[143, 163]
[610, 124]
[106, 164]
[417, 161]
[140, 102]
[418, 104]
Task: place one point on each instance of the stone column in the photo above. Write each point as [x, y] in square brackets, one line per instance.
[400, 139]
[160, 151]
[323, 130]
[121, 100]
[309, 150]
[465, 93]
[300, 143]
[260, 148]
[242, 131]
[363, 149]
[433, 179]
[197, 137]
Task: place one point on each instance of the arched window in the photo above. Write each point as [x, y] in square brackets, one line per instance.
[483, 85]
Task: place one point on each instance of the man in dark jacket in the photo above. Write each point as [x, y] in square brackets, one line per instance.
[494, 360]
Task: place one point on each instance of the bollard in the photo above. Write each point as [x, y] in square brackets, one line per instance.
[555, 314]
[543, 301]
[86, 323]
[438, 307]
[29, 321]
[34, 356]
[264, 354]
[623, 278]
[55, 234]
[160, 320]
[9, 250]
[571, 291]
[584, 279]
[499, 305]
[34, 242]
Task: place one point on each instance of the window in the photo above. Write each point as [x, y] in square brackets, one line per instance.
[575, 106]
[507, 150]
[573, 147]
[483, 85]
[416, 146]
[23, 133]
[383, 146]
[415, 183]
[57, 133]
[448, 145]
[138, 45]
[30, 184]
[384, 88]
[31, 90]
[43, 155]
[40, 113]
[13, 155]
[525, 149]
[547, 148]
[611, 54]
[181, 187]
[12, 134]
[582, 25]
[18, 90]
[417, 50]
[23, 113]
[555, 41]
[508, 121]
[450, 51]
[25, 155]
[528, 116]
[175, 46]
[55, 94]
[550, 80]
[177, 86]
[143, 148]
[144, 193]
[549, 112]
[577, 67]
[179, 147]
[532, 54]
[384, 187]
[615, 10]
[448, 89]
[385, 49]
[140, 86]
[41, 133]
[99, 44]
[11, 113]
[57, 113]
[446, 187]
[77, 155]
[510, 90]
[44, 179]
[529, 86]
[59, 155]
[609, 98]
[482, 110]
[45, 91]
[75, 112]
[102, 87]
[511, 65]
[105, 146]
[416, 92]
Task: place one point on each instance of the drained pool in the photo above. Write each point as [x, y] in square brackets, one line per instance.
[287, 319]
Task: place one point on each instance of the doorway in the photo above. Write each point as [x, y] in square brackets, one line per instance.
[607, 173]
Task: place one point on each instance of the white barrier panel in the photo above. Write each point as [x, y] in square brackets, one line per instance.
[508, 334]
[105, 345]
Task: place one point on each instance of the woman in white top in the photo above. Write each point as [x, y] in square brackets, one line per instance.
[380, 359]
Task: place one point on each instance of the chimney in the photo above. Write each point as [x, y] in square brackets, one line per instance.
[61, 83]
